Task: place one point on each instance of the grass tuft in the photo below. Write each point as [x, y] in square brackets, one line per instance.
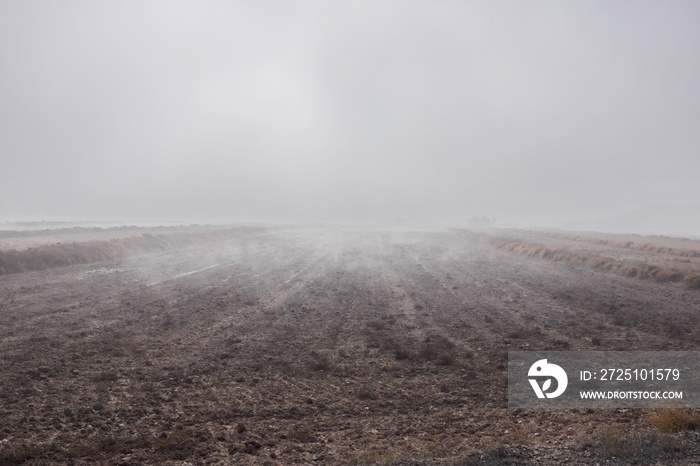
[670, 420]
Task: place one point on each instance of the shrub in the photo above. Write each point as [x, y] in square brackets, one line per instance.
[667, 275]
[670, 420]
[578, 259]
[603, 263]
[631, 271]
[692, 280]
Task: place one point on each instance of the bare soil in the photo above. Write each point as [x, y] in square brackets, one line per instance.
[322, 347]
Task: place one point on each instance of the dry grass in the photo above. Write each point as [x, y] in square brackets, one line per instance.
[603, 263]
[59, 255]
[692, 280]
[634, 447]
[632, 270]
[667, 275]
[649, 247]
[670, 420]
[578, 259]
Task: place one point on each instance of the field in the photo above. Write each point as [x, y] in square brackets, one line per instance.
[335, 346]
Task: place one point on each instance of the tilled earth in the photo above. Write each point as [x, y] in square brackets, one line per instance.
[322, 347]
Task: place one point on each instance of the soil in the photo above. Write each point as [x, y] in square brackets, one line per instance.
[320, 346]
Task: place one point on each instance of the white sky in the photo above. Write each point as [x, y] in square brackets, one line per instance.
[429, 110]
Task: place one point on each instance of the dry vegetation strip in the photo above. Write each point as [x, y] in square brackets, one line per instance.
[644, 271]
[671, 420]
[63, 231]
[649, 247]
[58, 255]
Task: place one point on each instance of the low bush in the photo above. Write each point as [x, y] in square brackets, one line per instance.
[670, 420]
[692, 281]
[667, 275]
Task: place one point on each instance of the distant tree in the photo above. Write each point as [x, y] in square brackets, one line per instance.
[477, 221]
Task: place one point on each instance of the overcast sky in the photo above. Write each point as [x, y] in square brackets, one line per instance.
[430, 110]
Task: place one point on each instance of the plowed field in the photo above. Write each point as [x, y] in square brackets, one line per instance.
[318, 346]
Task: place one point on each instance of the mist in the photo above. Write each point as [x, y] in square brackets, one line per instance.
[537, 113]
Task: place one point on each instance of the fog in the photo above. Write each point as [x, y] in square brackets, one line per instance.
[551, 113]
